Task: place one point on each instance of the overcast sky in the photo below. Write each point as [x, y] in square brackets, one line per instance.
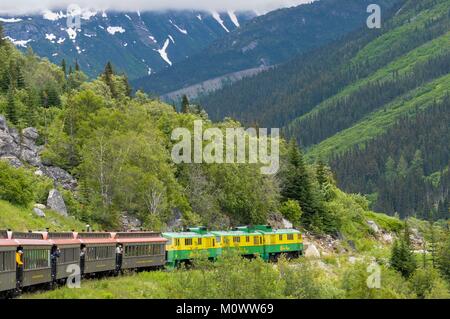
[12, 7]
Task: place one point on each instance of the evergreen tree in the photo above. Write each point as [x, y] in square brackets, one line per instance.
[32, 103]
[20, 77]
[402, 255]
[11, 112]
[77, 66]
[108, 77]
[297, 185]
[184, 104]
[64, 66]
[321, 173]
[70, 70]
[443, 256]
[128, 89]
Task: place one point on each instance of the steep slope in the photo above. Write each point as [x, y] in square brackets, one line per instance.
[136, 43]
[264, 41]
[345, 101]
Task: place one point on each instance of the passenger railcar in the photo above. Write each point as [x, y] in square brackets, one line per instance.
[100, 252]
[7, 262]
[141, 250]
[36, 258]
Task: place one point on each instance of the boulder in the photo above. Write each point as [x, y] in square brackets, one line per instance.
[38, 212]
[129, 222]
[387, 238]
[312, 251]
[2, 123]
[56, 202]
[12, 160]
[373, 226]
[40, 206]
[60, 176]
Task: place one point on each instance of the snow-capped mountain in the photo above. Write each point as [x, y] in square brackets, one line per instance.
[138, 43]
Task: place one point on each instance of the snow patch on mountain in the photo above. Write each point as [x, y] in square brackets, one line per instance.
[50, 37]
[61, 40]
[86, 14]
[217, 17]
[53, 16]
[171, 38]
[233, 18]
[163, 52]
[178, 28]
[19, 43]
[114, 30]
[72, 33]
[128, 17]
[10, 20]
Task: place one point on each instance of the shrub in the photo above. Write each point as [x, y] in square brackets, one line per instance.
[15, 185]
[291, 210]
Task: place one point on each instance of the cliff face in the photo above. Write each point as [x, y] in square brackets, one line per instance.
[20, 149]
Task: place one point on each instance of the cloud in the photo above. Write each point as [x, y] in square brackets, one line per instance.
[17, 7]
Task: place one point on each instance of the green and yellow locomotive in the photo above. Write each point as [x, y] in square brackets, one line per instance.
[249, 241]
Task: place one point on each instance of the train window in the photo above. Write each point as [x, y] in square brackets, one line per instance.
[236, 239]
[218, 239]
[68, 255]
[299, 236]
[247, 239]
[188, 241]
[290, 237]
[100, 252]
[213, 242]
[177, 242]
[36, 258]
[199, 241]
[256, 240]
[6, 261]
[280, 237]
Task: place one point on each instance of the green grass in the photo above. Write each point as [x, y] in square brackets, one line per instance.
[23, 219]
[379, 121]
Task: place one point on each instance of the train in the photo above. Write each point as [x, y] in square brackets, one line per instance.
[94, 253]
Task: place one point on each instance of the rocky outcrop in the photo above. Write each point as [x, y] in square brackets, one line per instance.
[276, 220]
[56, 202]
[311, 251]
[38, 212]
[19, 149]
[129, 222]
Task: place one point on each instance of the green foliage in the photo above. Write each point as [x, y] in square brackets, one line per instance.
[291, 210]
[15, 185]
[443, 257]
[426, 283]
[402, 256]
[184, 104]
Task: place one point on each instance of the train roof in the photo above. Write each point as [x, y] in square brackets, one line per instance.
[186, 235]
[234, 233]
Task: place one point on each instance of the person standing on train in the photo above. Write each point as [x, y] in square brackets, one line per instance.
[19, 266]
[83, 252]
[119, 257]
[54, 255]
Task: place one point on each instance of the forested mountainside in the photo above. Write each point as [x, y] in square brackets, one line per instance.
[264, 41]
[137, 43]
[344, 102]
[109, 154]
